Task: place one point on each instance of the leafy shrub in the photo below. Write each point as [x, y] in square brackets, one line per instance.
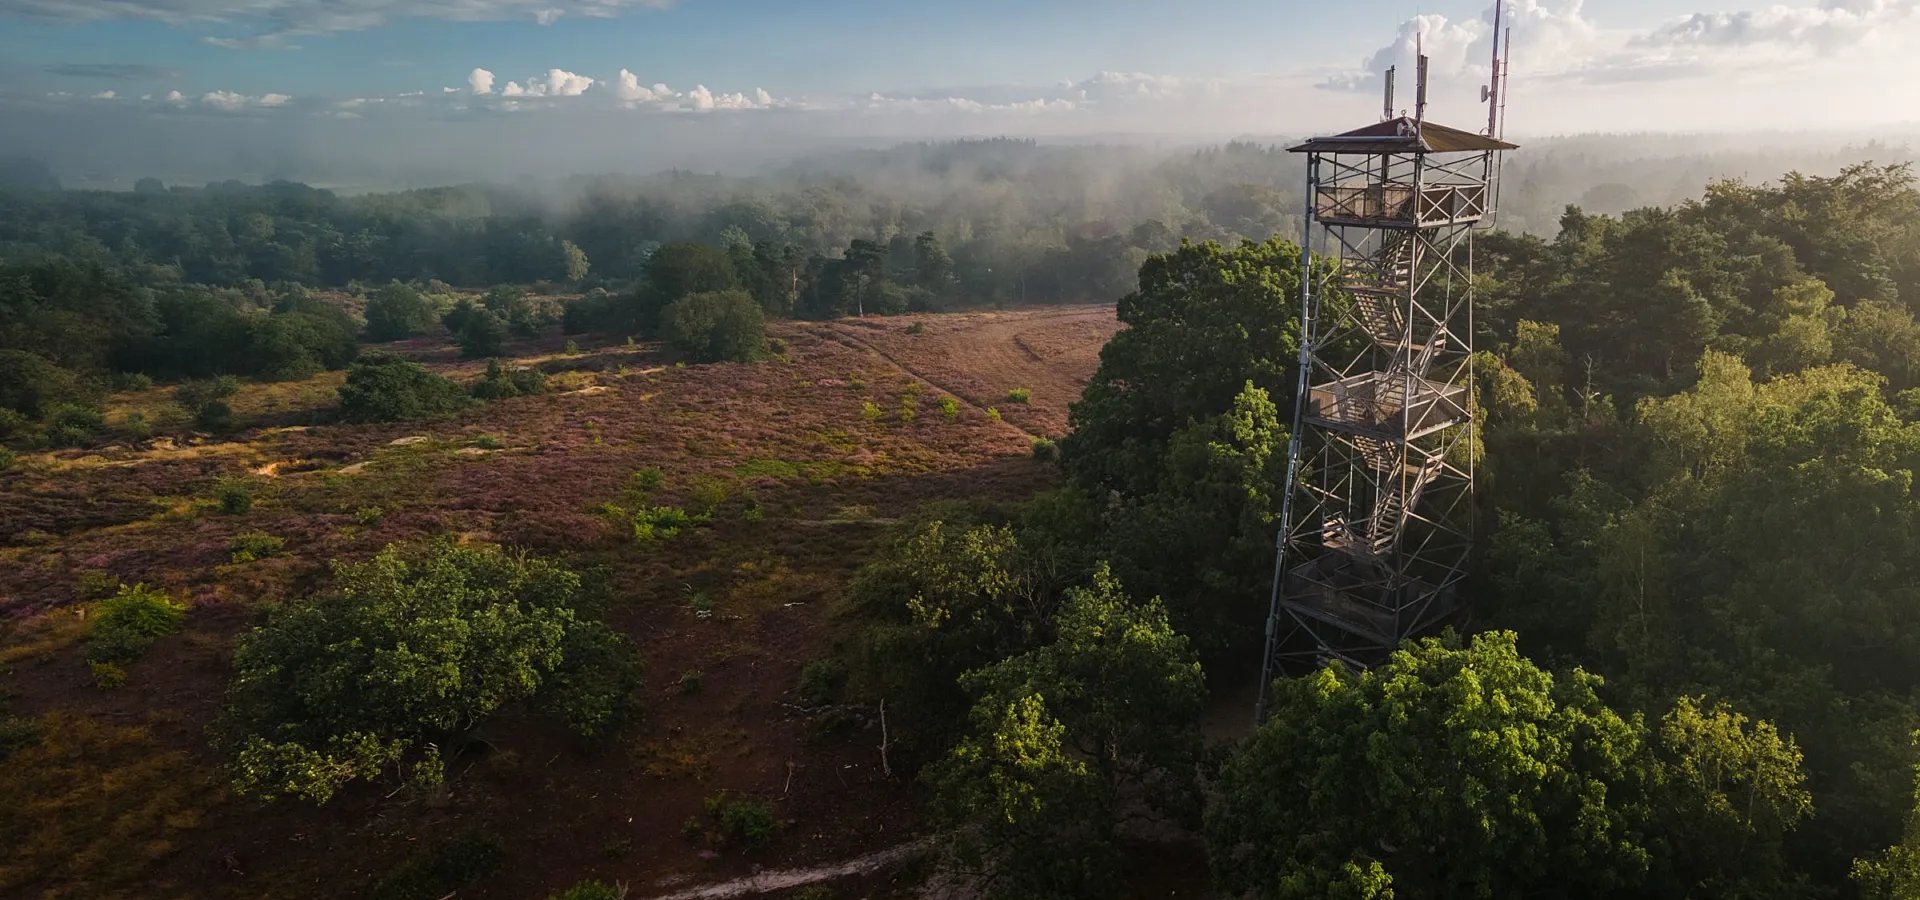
[777, 346]
[916, 328]
[501, 383]
[383, 388]
[647, 480]
[398, 312]
[523, 315]
[821, 681]
[127, 623]
[708, 494]
[233, 496]
[871, 411]
[414, 643]
[368, 515]
[94, 584]
[489, 442]
[33, 386]
[950, 408]
[1019, 395]
[17, 733]
[248, 546]
[1045, 450]
[7, 459]
[726, 326]
[216, 417]
[572, 348]
[194, 394]
[738, 820]
[592, 890]
[107, 676]
[483, 335]
[74, 426]
[135, 427]
[689, 681]
[993, 412]
[909, 406]
[661, 522]
[11, 423]
[440, 871]
[129, 382]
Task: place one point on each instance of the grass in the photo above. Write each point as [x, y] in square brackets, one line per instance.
[93, 809]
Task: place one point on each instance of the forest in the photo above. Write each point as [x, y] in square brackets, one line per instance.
[1697, 538]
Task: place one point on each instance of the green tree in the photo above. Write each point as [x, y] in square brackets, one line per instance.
[716, 327]
[382, 388]
[397, 312]
[411, 649]
[675, 271]
[575, 261]
[1205, 322]
[1058, 735]
[33, 386]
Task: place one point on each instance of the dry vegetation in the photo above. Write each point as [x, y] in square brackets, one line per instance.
[801, 480]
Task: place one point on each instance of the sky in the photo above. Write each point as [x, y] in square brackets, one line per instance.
[548, 86]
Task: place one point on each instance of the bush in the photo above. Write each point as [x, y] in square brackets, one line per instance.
[95, 584]
[950, 408]
[501, 383]
[398, 312]
[234, 496]
[412, 644]
[740, 821]
[248, 546]
[134, 427]
[479, 332]
[8, 459]
[489, 442]
[368, 515]
[821, 681]
[993, 412]
[107, 676]
[129, 382]
[727, 326]
[74, 426]
[442, 870]
[1045, 450]
[1019, 395]
[871, 411]
[662, 522]
[592, 890]
[12, 423]
[32, 385]
[916, 328]
[383, 388]
[192, 395]
[127, 623]
[215, 418]
[648, 480]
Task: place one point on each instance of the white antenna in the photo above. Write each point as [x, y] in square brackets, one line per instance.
[1420, 87]
[1490, 94]
[1386, 111]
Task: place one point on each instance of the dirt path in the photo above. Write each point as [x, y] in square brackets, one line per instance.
[783, 879]
[847, 339]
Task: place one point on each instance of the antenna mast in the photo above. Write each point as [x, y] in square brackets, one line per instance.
[1386, 110]
[1491, 94]
[1420, 76]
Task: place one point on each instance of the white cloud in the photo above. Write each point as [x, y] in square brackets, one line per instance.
[274, 99]
[104, 95]
[480, 81]
[627, 87]
[1827, 27]
[548, 16]
[174, 97]
[224, 99]
[556, 83]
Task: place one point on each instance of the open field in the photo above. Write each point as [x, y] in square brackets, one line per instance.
[725, 616]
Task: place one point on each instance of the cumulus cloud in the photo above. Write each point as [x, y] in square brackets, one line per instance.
[104, 95]
[231, 101]
[627, 87]
[1556, 40]
[269, 22]
[480, 81]
[556, 83]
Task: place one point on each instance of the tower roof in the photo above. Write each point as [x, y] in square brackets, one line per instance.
[1403, 135]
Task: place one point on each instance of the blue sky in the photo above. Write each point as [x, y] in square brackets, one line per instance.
[598, 85]
[826, 46]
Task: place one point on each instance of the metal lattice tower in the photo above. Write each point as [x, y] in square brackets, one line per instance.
[1376, 530]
